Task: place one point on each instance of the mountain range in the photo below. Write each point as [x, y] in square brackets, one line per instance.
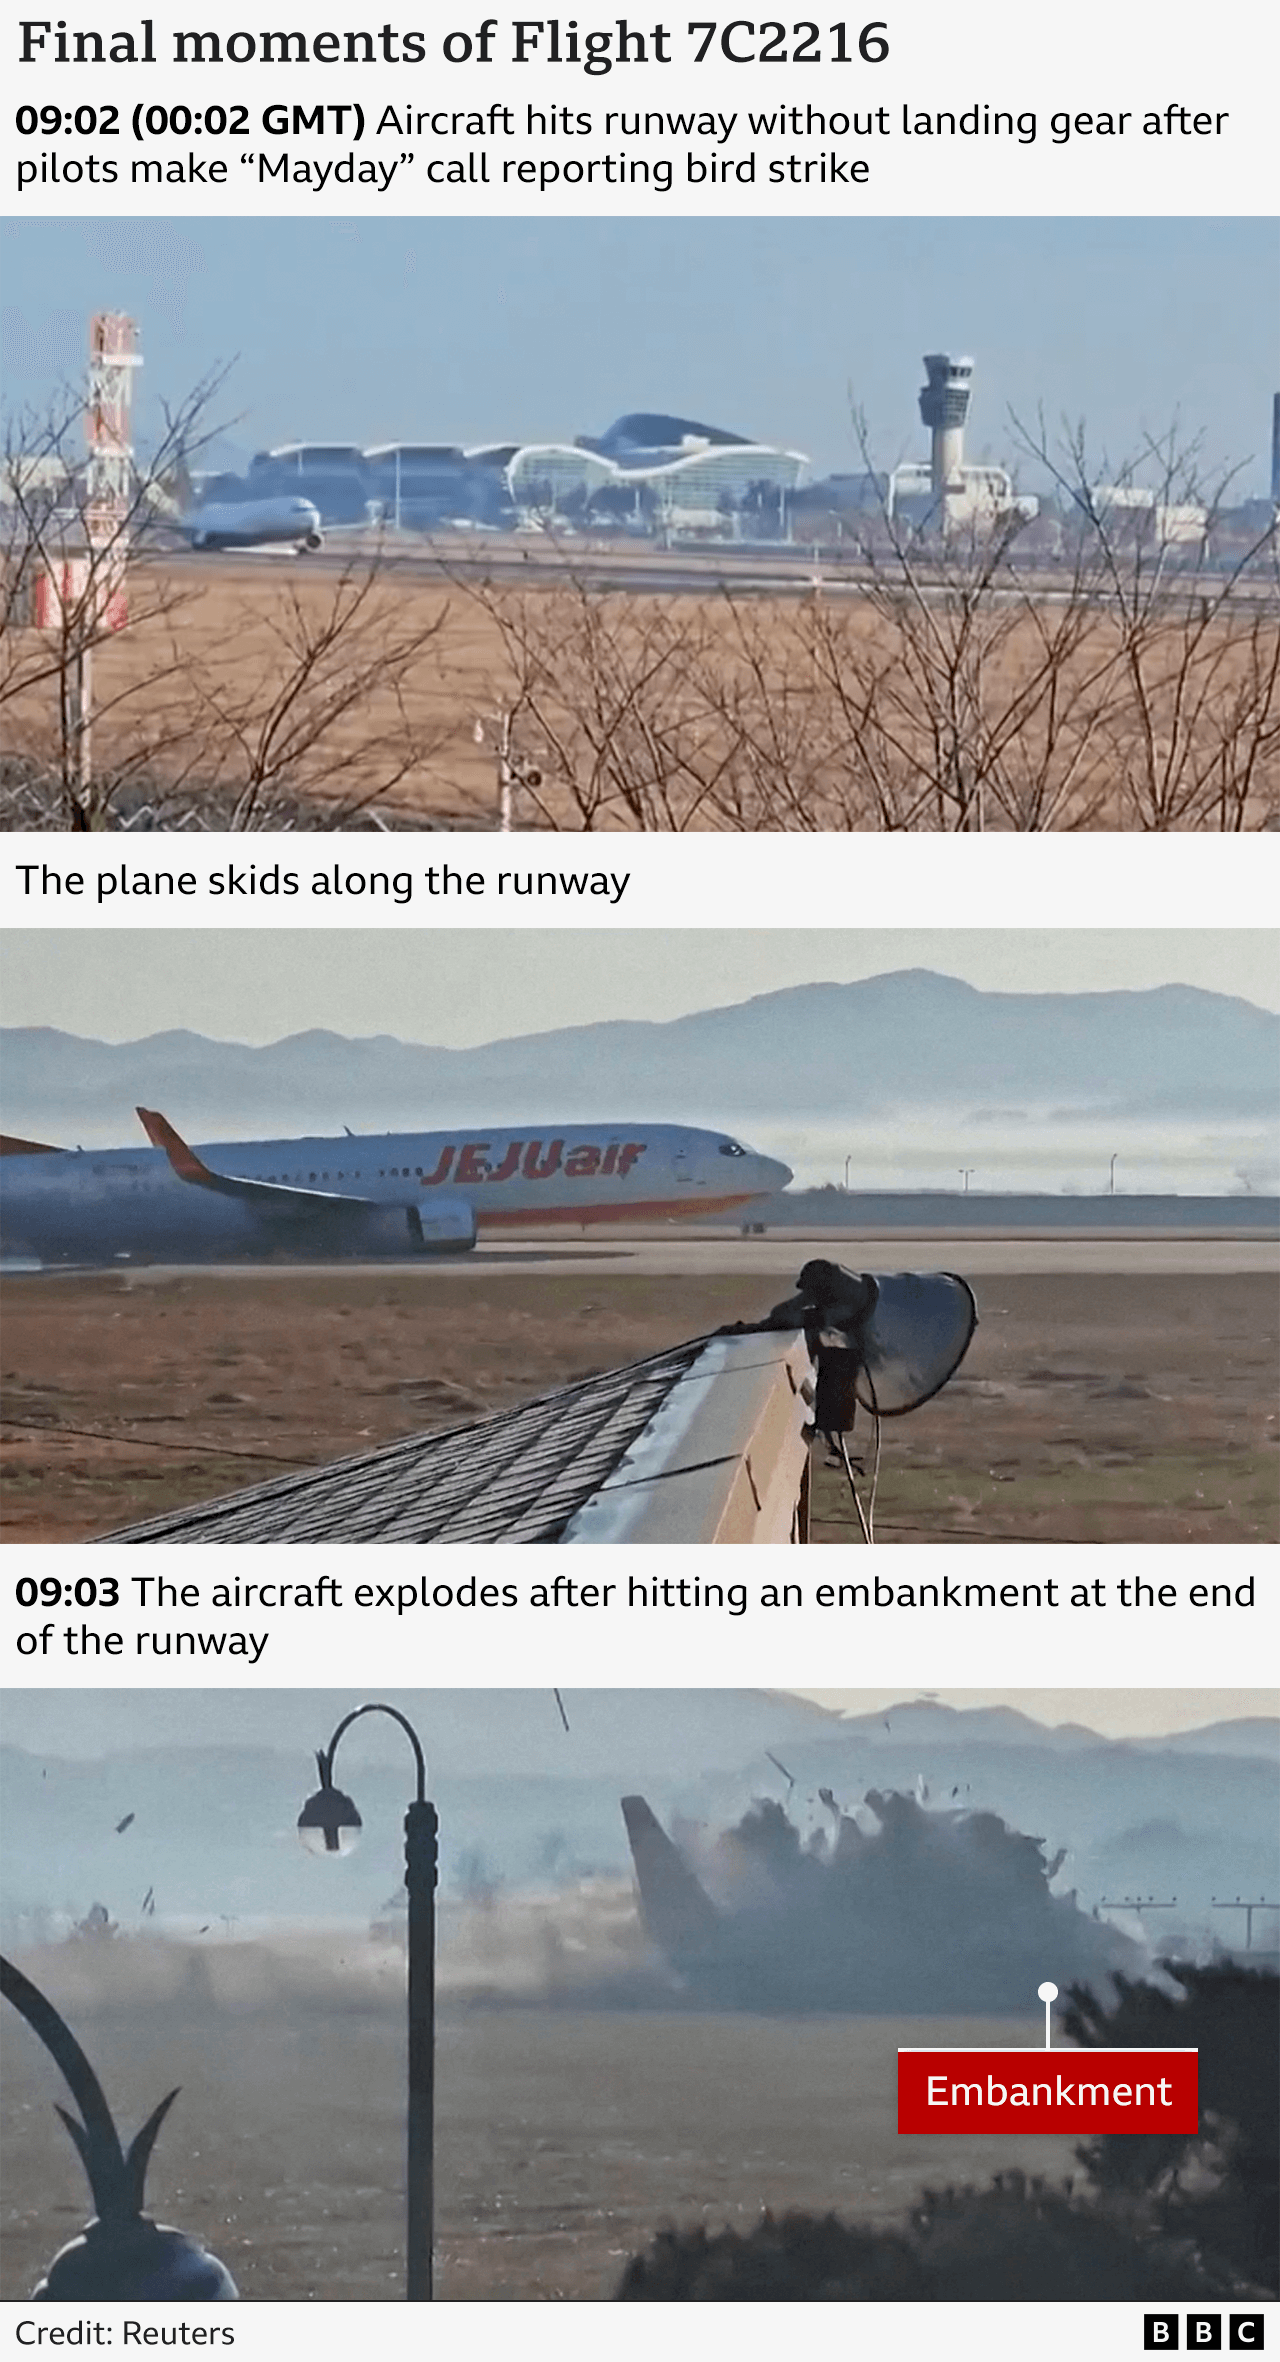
[893, 1043]
[106, 1793]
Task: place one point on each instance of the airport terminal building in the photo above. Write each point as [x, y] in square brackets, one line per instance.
[654, 472]
[413, 486]
[650, 473]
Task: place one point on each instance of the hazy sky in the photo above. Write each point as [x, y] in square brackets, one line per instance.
[468, 986]
[1116, 1713]
[98, 1722]
[473, 330]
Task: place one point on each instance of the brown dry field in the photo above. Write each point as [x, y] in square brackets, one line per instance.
[224, 622]
[225, 628]
[565, 2138]
[1092, 1407]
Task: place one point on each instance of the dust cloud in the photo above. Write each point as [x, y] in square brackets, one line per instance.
[568, 2131]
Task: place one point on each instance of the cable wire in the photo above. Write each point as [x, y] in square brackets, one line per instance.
[875, 1465]
[844, 1454]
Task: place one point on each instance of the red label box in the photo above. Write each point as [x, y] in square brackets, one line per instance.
[1048, 2091]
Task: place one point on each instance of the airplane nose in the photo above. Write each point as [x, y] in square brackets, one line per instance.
[774, 1173]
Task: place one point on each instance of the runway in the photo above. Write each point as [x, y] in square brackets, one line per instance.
[789, 572]
[776, 1257]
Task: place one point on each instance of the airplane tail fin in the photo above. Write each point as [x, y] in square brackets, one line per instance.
[161, 1134]
[173, 492]
[676, 1912]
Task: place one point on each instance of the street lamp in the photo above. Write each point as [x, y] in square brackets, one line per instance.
[1111, 1184]
[121, 2254]
[330, 1824]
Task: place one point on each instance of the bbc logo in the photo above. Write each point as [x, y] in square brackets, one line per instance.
[1204, 2333]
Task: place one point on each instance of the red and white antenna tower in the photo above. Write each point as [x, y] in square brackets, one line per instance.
[81, 593]
[113, 357]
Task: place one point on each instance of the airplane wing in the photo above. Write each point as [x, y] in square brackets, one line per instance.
[269, 1197]
[10, 1145]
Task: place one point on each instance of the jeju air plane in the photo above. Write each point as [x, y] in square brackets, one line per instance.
[367, 1195]
[254, 524]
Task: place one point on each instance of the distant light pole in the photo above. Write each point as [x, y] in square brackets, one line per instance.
[847, 1162]
[330, 1824]
[1259, 1903]
[1111, 1186]
[1136, 1903]
[966, 1172]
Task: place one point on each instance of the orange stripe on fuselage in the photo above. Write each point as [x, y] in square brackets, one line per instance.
[650, 1209]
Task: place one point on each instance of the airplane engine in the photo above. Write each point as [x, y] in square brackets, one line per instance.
[434, 1226]
[312, 541]
[445, 1225]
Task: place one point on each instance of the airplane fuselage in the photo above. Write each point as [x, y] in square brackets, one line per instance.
[370, 1194]
[254, 524]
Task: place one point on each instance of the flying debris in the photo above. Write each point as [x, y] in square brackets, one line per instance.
[126, 1823]
[898, 1909]
[789, 1777]
[97, 1921]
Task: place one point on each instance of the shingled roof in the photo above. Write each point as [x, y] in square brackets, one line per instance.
[531, 1474]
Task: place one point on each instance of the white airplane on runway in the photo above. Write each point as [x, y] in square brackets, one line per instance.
[253, 524]
[369, 1195]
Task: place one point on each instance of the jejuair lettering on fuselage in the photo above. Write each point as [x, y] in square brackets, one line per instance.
[528, 1159]
[366, 1195]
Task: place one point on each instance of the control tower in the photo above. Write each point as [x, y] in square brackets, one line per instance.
[944, 407]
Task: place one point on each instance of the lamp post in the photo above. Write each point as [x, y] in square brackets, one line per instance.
[121, 2254]
[1258, 1904]
[330, 1824]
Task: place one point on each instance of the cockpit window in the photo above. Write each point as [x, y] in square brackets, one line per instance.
[731, 1148]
